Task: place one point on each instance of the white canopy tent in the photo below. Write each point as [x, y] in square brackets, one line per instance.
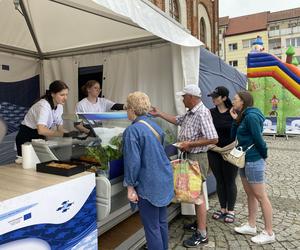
[139, 46]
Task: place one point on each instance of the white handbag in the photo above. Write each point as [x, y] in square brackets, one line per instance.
[237, 156]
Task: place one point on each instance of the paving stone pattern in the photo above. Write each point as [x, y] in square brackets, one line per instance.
[283, 186]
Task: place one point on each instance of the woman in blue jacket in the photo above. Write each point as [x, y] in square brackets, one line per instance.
[247, 128]
[148, 173]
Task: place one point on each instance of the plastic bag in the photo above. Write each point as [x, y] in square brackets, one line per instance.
[187, 181]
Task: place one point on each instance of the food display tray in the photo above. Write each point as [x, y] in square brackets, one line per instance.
[44, 167]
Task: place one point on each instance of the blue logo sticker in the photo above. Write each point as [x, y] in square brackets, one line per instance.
[65, 206]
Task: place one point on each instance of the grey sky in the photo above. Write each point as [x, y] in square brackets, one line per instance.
[234, 8]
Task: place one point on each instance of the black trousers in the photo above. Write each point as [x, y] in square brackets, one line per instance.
[26, 134]
[225, 174]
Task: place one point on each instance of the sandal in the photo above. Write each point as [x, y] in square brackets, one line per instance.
[219, 215]
[229, 218]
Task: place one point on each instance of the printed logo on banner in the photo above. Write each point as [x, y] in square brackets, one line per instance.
[65, 206]
[27, 216]
[15, 212]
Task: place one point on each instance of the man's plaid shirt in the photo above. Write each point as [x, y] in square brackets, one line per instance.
[195, 124]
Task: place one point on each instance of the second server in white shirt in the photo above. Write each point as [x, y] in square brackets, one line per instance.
[93, 103]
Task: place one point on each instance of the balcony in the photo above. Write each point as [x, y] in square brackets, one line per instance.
[284, 32]
[273, 33]
[275, 51]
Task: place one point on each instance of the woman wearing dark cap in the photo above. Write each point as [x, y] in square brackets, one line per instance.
[224, 172]
[44, 118]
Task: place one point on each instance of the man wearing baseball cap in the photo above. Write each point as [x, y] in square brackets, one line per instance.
[196, 132]
[190, 89]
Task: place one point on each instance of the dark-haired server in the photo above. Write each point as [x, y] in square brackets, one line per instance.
[44, 118]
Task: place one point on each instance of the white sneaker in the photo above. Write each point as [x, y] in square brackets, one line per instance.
[19, 160]
[263, 238]
[246, 229]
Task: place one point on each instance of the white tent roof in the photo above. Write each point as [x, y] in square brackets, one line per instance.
[69, 25]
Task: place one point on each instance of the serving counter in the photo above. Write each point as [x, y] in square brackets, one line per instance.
[43, 211]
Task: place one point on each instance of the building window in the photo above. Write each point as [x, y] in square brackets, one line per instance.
[203, 30]
[295, 42]
[275, 43]
[290, 42]
[292, 25]
[233, 63]
[220, 46]
[174, 10]
[248, 43]
[233, 46]
[275, 27]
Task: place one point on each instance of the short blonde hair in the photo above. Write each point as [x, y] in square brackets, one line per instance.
[139, 102]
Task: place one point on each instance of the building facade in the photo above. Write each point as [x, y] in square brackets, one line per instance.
[200, 17]
[277, 29]
[283, 31]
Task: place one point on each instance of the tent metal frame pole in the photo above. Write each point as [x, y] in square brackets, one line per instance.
[134, 43]
[18, 51]
[29, 25]
[94, 12]
[101, 50]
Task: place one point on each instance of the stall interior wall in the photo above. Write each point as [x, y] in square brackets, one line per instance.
[151, 70]
[19, 89]
[155, 70]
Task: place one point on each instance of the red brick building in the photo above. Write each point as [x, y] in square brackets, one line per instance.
[199, 16]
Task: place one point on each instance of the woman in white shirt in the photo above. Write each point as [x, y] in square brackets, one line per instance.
[93, 103]
[44, 118]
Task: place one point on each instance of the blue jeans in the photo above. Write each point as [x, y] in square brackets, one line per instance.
[155, 224]
[254, 172]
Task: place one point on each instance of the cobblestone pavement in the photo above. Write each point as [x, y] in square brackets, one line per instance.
[283, 186]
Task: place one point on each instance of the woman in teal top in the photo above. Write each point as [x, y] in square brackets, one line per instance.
[247, 128]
